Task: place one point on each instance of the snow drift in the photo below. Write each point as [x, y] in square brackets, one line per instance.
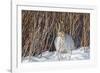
[82, 53]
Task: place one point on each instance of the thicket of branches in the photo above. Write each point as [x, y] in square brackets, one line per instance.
[39, 30]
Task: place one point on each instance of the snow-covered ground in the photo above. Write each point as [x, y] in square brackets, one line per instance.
[82, 53]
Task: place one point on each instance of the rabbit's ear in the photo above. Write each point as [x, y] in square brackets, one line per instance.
[58, 27]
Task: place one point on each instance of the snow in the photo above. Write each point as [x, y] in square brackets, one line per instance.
[82, 53]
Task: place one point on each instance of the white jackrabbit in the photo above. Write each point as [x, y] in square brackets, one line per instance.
[64, 44]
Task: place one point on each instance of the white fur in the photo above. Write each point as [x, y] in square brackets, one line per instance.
[64, 44]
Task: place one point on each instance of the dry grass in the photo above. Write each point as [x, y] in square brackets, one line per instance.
[39, 30]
